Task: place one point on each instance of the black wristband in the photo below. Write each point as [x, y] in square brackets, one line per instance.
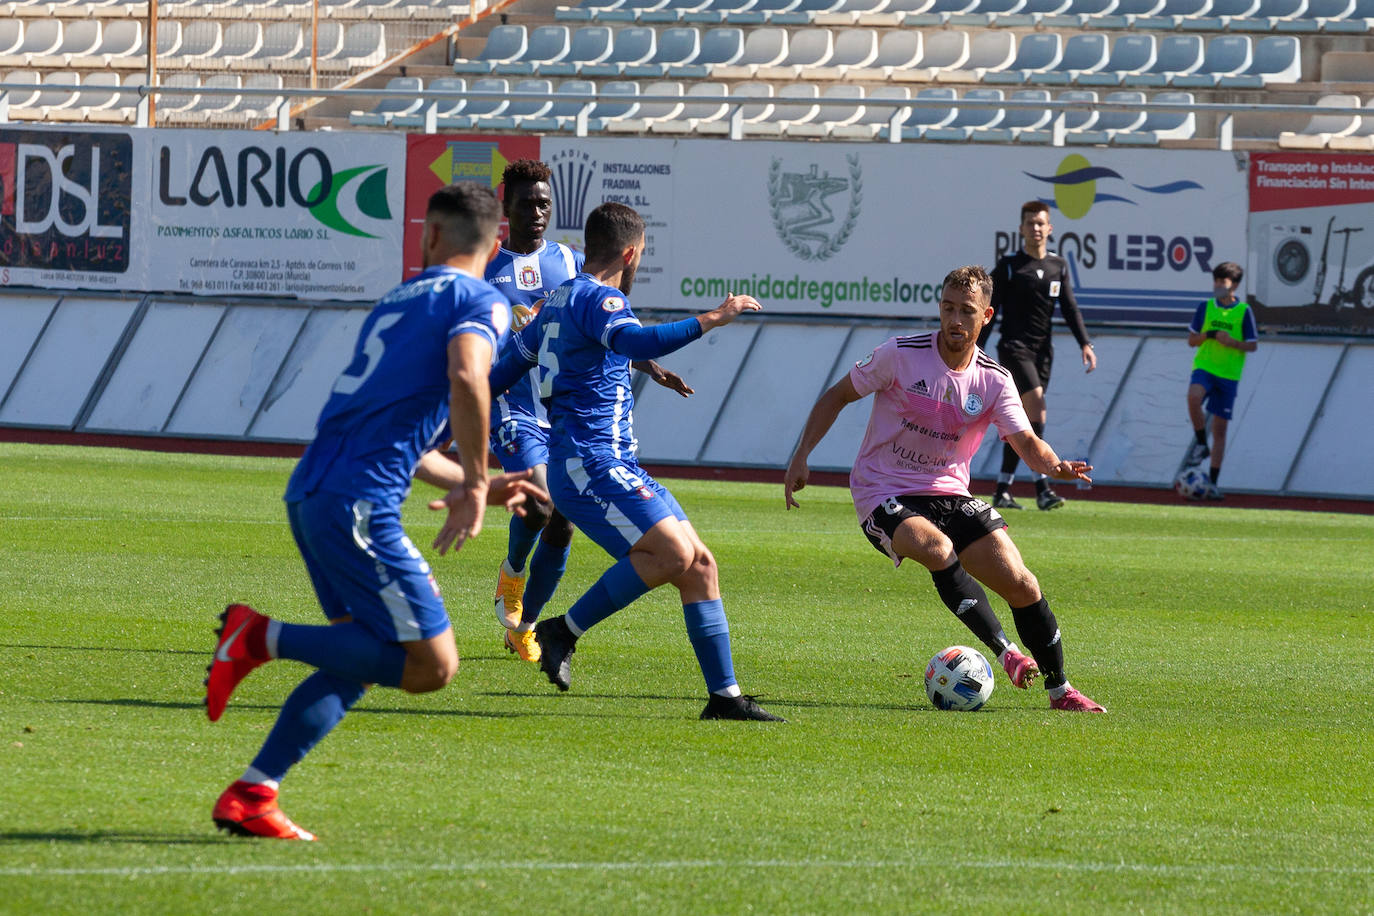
[1210, 335]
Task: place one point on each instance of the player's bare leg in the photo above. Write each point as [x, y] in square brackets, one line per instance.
[430, 663]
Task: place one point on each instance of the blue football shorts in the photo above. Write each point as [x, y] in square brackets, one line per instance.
[363, 565]
[520, 443]
[613, 501]
[1219, 394]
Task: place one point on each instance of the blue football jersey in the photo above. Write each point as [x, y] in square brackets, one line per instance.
[525, 279]
[390, 404]
[584, 385]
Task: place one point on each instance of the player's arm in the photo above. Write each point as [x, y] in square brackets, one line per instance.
[1195, 334]
[665, 377]
[818, 423]
[1249, 341]
[469, 362]
[441, 469]
[1068, 307]
[1039, 457]
[639, 342]
[518, 356]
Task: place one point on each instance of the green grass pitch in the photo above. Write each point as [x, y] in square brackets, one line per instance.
[1232, 772]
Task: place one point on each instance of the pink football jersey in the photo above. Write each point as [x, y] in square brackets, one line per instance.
[928, 420]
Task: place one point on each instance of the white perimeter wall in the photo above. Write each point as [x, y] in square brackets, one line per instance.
[260, 371]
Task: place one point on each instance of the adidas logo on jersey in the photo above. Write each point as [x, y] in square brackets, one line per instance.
[920, 388]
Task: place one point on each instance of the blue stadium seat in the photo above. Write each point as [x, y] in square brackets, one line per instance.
[548, 44]
[1125, 14]
[1178, 55]
[1221, 14]
[989, 52]
[1031, 14]
[589, 46]
[1084, 53]
[968, 121]
[1276, 59]
[676, 46]
[504, 43]
[719, 47]
[1037, 53]
[1162, 125]
[1359, 19]
[1226, 55]
[987, 12]
[938, 12]
[631, 46]
[1269, 15]
[445, 108]
[1131, 54]
[939, 110]
[1079, 13]
[387, 108]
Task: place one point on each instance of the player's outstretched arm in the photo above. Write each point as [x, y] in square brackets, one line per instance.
[818, 423]
[1039, 457]
[728, 311]
[441, 469]
[665, 377]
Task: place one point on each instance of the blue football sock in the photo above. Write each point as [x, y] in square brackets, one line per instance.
[312, 710]
[546, 571]
[521, 542]
[347, 650]
[617, 587]
[709, 633]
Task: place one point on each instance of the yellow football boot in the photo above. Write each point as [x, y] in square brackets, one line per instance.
[510, 593]
[523, 644]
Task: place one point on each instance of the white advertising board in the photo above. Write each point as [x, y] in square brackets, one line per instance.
[310, 216]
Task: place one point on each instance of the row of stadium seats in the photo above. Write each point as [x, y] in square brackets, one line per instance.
[728, 52]
[801, 110]
[1190, 15]
[199, 45]
[102, 98]
[1337, 132]
[300, 10]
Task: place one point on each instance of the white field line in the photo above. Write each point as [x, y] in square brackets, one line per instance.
[1183, 871]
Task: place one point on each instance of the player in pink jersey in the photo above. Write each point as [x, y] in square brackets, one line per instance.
[934, 395]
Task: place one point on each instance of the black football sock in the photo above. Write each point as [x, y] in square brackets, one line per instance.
[1214, 473]
[1039, 633]
[1201, 435]
[966, 598]
[1009, 462]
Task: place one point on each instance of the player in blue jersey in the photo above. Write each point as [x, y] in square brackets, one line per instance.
[583, 340]
[527, 269]
[418, 378]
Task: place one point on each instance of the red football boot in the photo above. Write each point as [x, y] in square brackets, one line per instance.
[247, 809]
[1021, 669]
[1073, 701]
[232, 660]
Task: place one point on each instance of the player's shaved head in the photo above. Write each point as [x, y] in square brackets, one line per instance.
[468, 216]
[972, 278]
[611, 228]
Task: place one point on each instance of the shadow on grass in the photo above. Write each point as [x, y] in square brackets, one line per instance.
[111, 836]
[126, 649]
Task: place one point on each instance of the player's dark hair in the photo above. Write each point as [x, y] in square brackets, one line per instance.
[611, 228]
[469, 213]
[1228, 270]
[972, 278]
[1033, 206]
[525, 171]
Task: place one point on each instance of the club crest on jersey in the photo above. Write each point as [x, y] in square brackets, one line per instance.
[528, 277]
[973, 404]
[1054, 288]
[613, 304]
[864, 362]
[645, 493]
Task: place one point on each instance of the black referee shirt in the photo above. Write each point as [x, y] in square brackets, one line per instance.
[1025, 291]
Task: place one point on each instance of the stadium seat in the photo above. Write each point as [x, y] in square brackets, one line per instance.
[720, 47]
[295, 10]
[747, 113]
[445, 108]
[1110, 123]
[716, 12]
[673, 11]
[969, 121]
[56, 98]
[1226, 55]
[1174, 14]
[942, 50]
[630, 46]
[119, 39]
[336, 9]
[1162, 125]
[704, 101]
[849, 12]
[617, 100]
[1037, 53]
[11, 36]
[899, 51]
[627, 10]
[1131, 54]
[79, 38]
[1020, 123]
[804, 12]
[1079, 14]
[1084, 54]
[1124, 14]
[505, 43]
[474, 110]
[207, 107]
[241, 41]
[986, 13]
[387, 108]
[1322, 128]
[1361, 139]
[1359, 19]
[1080, 119]
[1031, 14]
[1221, 14]
[563, 114]
[1268, 16]
[100, 97]
[989, 52]
[763, 47]
[875, 117]
[168, 102]
[939, 110]
[22, 98]
[257, 107]
[1178, 55]
[586, 10]
[761, 12]
[548, 44]
[41, 37]
[1315, 13]
[281, 41]
[649, 113]
[838, 108]
[520, 114]
[805, 48]
[199, 42]
[676, 46]
[854, 49]
[330, 45]
[589, 46]
[938, 13]
[797, 105]
[1275, 60]
[364, 45]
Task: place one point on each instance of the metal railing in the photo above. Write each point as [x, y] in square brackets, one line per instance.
[901, 108]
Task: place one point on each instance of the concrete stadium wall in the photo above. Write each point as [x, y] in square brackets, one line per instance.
[259, 371]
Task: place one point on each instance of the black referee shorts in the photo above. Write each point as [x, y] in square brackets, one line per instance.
[1029, 368]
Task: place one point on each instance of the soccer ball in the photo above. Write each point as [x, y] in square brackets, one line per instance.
[1192, 483]
[959, 678]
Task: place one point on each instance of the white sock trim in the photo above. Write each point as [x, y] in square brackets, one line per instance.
[1057, 692]
[273, 632]
[731, 691]
[572, 627]
[1002, 656]
[258, 778]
